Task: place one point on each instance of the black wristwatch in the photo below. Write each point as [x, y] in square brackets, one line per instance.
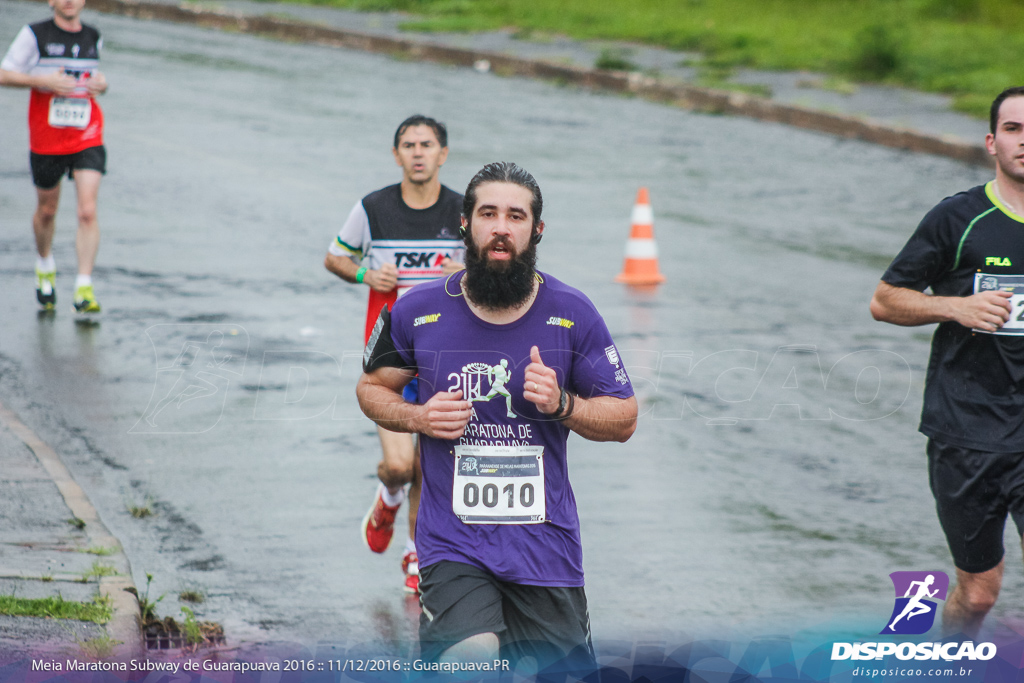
[566, 403]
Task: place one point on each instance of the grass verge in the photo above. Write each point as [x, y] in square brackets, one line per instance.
[100, 550]
[57, 607]
[966, 48]
[97, 571]
[100, 647]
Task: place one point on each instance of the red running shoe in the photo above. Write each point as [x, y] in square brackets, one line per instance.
[379, 524]
[411, 567]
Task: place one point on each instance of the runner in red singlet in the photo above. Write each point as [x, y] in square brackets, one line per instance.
[59, 59]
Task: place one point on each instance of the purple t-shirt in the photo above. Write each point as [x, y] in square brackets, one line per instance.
[524, 490]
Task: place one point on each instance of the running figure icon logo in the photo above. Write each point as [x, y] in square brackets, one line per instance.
[497, 375]
[196, 364]
[914, 613]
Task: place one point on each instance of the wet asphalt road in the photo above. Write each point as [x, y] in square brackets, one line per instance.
[776, 477]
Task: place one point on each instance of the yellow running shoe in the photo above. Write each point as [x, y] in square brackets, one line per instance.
[85, 300]
[46, 289]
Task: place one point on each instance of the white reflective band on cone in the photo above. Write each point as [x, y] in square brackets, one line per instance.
[642, 214]
[641, 249]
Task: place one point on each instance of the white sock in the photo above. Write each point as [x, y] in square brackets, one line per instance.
[410, 546]
[46, 265]
[82, 280]
[392, 500]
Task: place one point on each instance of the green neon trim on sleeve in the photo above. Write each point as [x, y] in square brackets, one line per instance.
[960, 247]
[349, 248]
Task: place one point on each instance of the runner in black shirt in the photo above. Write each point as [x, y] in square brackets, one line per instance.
[970, 251]
[393, 239]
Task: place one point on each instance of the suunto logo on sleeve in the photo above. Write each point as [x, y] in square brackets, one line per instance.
[425, 319]
[997, 261]
[561, 322]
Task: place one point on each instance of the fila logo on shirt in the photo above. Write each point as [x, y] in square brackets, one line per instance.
[997, 261]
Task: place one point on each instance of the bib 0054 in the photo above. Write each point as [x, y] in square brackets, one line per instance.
[70, 112]
[499, 484]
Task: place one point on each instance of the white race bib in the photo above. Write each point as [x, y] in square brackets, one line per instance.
[983, 282]
[70, 112]
[499, 484]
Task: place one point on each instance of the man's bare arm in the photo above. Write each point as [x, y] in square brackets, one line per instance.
[57, 82]
[909, 307]
[444, 416]
[604, 418]
[383, 280]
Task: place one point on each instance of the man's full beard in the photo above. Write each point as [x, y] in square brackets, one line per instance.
[500, 284]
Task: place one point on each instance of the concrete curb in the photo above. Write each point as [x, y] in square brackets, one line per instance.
[125, 624]
[679, 95]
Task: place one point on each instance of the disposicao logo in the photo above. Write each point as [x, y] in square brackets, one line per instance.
[914, 613]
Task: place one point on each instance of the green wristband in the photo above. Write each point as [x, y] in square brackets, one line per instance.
[361, 273]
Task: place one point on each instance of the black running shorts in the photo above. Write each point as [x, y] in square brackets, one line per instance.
[974, 491]
[47, 169]
[549, 624]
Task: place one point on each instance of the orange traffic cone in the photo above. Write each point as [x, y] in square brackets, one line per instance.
[641, 266]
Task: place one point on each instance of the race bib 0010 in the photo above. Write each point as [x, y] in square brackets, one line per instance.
[70, 112]
[499, 484]
[984, 282]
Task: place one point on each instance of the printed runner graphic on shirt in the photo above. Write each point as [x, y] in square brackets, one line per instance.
[472, 381]
[985, 282]
[497, 375]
